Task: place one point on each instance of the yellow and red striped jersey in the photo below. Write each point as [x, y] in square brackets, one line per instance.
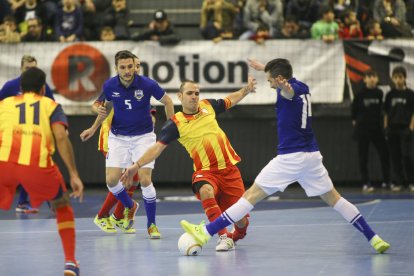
[202, 137]
[26, 136]
[104, 133]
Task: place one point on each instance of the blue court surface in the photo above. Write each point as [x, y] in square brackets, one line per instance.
[290, 235]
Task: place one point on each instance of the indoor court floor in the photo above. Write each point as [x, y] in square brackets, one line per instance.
[290, 235]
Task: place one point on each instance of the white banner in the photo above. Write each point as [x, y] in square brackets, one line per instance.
[77, 71]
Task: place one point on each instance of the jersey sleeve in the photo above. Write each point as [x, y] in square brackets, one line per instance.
[4, 92]
[157, 91]
[106, 92]
[100, 99]
[49, 92]
[220, 105]
[169, 133]
[59, 117]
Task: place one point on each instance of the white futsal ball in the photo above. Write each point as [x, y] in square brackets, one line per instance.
[188, 246]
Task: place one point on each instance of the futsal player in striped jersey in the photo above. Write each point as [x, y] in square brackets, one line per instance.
[29, 125]
[132, 133]
[216, 181]
[12, 88]
[298, 160]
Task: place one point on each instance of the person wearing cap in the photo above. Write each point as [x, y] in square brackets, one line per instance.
[159, 29]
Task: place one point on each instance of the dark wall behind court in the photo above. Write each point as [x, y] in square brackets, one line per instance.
[252, 132]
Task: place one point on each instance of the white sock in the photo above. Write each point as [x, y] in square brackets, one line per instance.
[238, 210]
[149, 192]
[116, 189]
[346, 209]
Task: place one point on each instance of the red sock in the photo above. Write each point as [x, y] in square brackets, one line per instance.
[239, 233]
[110, 202]
[212, 211]
[66, 227]
[119, 210]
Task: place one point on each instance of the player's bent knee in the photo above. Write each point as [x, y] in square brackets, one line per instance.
[254, 194]
[205, 190]
[61, 201]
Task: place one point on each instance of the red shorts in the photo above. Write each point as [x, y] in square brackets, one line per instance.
[136, 177]
[40, 183]
[227, 183]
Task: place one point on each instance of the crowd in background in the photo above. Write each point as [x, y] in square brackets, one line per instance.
[257, 20]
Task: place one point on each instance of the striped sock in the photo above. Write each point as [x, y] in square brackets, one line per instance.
[212, 211]
[119, 210]
[234, 213]
[121, 194]
[66, 227]
[150, 202]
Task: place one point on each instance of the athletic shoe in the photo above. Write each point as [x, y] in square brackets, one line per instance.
[120, 224]
[104, 224]
[25, 208]
[395, 188]
[411, 188]
[197, 231]
[71, 269]
[129, 215]
[379, 244]
[153, 232]
[367, 188]
[236, 235]
[225, 243]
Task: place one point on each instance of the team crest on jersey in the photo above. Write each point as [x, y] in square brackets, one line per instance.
[138, 94]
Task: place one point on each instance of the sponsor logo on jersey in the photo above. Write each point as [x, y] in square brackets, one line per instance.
[199, 175]
[116, 94]
[138, 94]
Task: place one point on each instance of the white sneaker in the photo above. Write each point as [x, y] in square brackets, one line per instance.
[224, 243]
[367, 189]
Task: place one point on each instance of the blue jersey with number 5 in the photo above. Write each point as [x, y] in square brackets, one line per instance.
[294, 118]
[131, 105]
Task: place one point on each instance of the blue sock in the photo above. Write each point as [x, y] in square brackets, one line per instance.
[150, 208]
[23, 196]
[359, 223]
[124, 198]
[219, 223]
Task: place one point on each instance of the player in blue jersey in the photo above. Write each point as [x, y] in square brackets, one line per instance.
[298, 160]
[12, 88]
[132, 133]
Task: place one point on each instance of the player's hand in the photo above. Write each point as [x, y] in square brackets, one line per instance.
[102, 111]
[251, 85]
[284, 85]
[87, 134]
[77, 187]
[255, 64]
[128, 175]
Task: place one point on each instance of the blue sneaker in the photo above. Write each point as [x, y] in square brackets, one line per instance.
[25, 208]
[71, 269]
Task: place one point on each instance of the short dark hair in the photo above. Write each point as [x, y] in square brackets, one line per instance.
[399, 70]
[32, 80]
[124, 54]
[27, 58]
[279, 66]
[184, 82]
[370, 73]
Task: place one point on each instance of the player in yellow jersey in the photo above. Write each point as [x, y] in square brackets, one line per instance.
[217, 182]
[29, 125]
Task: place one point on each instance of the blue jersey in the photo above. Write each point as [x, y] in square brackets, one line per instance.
[132, 105]
[294, 119]
[12, 88]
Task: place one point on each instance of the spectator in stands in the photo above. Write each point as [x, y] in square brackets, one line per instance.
[10, 34]
[36, 32]
[217, 20]
[340, 6]
[94, 17]
[291, 29]
[349, 26]
[5, 8]
[269, 12]
[262, 34]
[50, 7]
[29, 9]
[364, 13]
[159, 29]
[69, 22]
[117, 16]
[374, 30]
[238, 19]
[391, 14]
[107, 34]
[306, 11]
[326, 28]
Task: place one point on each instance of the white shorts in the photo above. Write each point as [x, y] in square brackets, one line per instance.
[124, 150]
[303, 167]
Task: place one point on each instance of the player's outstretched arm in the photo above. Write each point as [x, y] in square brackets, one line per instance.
[284, 85]
[237, 96]
[65, 149]
[169, 106]
[150, 155]
[255, 64]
